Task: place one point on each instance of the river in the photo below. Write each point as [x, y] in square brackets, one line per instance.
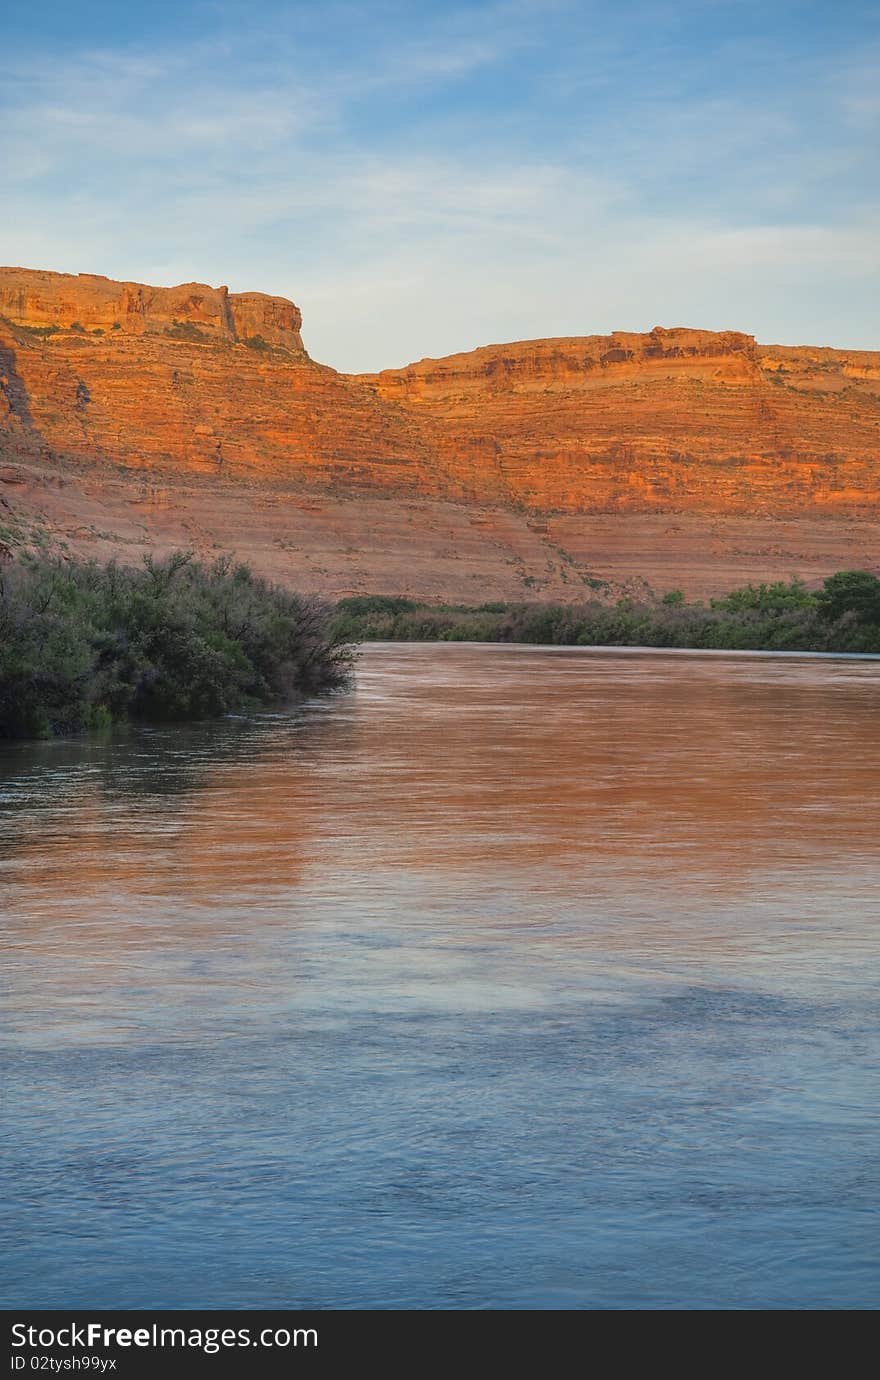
[514, 978]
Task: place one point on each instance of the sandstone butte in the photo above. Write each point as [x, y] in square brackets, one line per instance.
[135, 418]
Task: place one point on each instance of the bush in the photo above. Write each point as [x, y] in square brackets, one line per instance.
[187, 330]
[83, 645]
[851, 593]
[372, 617]
[844, 616]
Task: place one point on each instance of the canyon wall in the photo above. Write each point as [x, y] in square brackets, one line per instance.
[133, 416]
[88, 304]
[674, 420]
[188, 379]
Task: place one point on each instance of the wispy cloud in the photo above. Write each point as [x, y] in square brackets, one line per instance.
[426, 178]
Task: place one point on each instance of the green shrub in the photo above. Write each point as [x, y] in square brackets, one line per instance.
[851, 593]
[844, 617]
[187, 330]
[83, 645]
[363, 604]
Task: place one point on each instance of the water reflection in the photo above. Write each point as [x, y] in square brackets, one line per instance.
[571, 948]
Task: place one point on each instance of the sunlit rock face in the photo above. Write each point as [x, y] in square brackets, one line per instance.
[133, 416]
[672, 420]
[190, 378]
[36, 300]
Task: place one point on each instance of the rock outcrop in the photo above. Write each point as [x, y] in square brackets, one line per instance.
[132, 415]
[674, 420]
[190, 378]
[87, 304]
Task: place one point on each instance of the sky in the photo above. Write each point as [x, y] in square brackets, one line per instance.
[423, 178]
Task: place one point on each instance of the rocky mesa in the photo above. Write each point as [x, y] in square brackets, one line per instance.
[678, 420]
[133, 416]
[47, 302]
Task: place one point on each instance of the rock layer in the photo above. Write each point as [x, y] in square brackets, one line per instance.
[674, 420]
[133, 415]
[88, 304]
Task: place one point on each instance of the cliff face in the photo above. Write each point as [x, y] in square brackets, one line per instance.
[133, 415]
[190, 378]
[578, 363]
[91, 305]
[675, 420]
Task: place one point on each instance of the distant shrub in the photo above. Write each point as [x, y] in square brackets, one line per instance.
[256, 342]
[844, 616]
[78, 327]
[187, 330]
[82, 644]
[372, 617]
[361, 604]
[853, 594]
[772, 598]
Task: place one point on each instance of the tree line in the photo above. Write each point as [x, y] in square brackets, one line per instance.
[842, 616]
[84, 645]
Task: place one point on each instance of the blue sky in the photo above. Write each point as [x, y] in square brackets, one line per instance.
[424, 178]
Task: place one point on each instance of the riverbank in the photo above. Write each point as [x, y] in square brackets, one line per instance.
[842, 616]
[84, 645]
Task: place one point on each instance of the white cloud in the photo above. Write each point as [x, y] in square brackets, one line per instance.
[247, 164]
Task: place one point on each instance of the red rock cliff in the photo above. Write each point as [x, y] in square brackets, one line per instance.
[553, 461]
[190, 377]
[38, 300]
[671, 420]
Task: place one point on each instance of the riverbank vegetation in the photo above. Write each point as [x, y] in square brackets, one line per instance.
[84, 645]
[842, 616]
